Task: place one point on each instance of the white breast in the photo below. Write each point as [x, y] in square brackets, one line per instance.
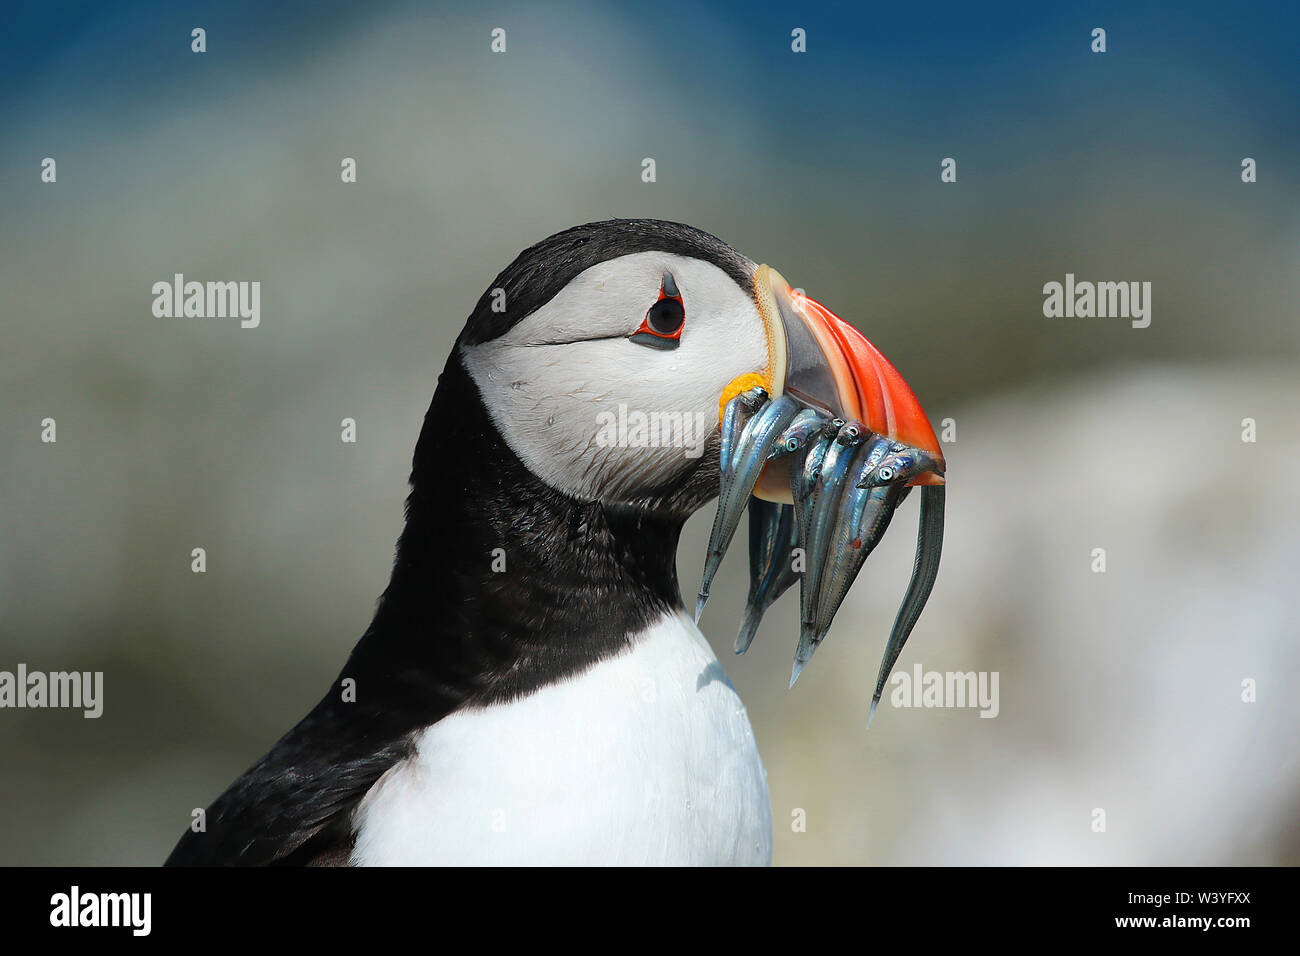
[646, 758]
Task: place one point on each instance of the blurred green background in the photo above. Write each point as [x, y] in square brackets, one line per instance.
[1119, 691]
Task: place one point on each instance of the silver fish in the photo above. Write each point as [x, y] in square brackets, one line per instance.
[929, 546]
[803, 485]
[771, 573]
[778, 574]
[824, 505]
[806, 426]
[902, 464]
[738, 411]
[863, 517]
[748, 458]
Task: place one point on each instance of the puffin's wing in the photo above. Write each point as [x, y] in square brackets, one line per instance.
[294, 805]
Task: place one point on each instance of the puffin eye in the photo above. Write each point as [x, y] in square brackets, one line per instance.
[663, 323]
[666, 317]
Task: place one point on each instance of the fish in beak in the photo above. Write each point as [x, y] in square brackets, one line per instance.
[831, 431]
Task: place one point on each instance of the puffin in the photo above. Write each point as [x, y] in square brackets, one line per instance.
[531, 689]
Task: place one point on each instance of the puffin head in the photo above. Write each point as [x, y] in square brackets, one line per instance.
[607, 353]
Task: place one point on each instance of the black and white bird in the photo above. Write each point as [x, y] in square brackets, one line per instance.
[531, 688]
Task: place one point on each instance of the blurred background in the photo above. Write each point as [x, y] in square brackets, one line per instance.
[1118, 690]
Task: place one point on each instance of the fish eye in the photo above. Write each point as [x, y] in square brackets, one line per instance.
[886, 473]
[663, 323]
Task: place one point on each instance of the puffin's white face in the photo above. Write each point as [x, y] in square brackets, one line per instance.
[595, 394]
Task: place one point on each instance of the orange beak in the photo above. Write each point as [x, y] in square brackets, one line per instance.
[820, 359]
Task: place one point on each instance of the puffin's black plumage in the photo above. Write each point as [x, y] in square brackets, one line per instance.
[448, 631]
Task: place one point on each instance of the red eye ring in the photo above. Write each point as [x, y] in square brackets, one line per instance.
[663, 323]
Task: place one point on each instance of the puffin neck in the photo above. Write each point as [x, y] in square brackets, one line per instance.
[503, 584]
